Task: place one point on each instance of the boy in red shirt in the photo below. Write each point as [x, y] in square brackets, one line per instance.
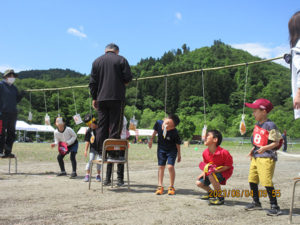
[217, 168]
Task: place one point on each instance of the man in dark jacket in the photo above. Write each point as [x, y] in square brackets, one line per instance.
[109, 76]
[9, 97]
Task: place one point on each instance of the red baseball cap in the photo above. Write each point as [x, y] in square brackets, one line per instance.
[261, 103]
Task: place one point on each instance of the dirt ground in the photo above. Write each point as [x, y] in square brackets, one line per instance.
[36, 196]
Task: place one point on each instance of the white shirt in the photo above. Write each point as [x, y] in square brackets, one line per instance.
[296, 74]
[68, 136]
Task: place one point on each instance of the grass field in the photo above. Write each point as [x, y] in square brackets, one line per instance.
[36, 196]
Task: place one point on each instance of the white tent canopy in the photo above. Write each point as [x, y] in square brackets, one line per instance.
[141, 132]
[21, 125]
[43, 128]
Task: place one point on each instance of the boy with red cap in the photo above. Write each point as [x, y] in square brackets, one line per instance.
[266, 140]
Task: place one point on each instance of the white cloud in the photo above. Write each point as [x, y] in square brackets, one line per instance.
[265, 51]
[76, 32]
[178, 16]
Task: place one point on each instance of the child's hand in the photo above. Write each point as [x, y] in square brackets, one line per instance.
[251, 153]
[52, 145]
[201, 175]
[179, 158]
[150, 144]
[261, 150]
[85, 153]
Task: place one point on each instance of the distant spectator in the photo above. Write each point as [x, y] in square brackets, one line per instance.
[284, 141]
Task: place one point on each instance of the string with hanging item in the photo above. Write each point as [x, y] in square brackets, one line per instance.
[76, 117]
[58, 109]
[204, 129]
[47, 117]
[242, 123]
[90, 100]
[30, 113]
[166, 96]
[134, 122]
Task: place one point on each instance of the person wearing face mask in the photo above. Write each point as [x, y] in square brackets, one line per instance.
[9, 97]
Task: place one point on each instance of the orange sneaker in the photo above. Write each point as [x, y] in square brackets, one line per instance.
[171, 191]
[159, 190]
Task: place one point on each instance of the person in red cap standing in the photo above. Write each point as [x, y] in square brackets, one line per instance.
[266, 140]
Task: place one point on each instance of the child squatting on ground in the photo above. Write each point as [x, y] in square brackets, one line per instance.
[266, 140]
[168, 148]
[90, 141]
[66, 139]
[217, 168]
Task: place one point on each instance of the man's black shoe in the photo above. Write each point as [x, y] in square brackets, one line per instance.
[120, 183]
[63, 173]
[73, 175]
[107, 182]
[8, 155]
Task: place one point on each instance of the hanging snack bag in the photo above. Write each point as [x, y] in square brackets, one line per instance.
[203, 135]
[133, 123]
[165, 131]
[243, 125]
[77, 119]
[59, 120]
[30, 116]
[47, 119]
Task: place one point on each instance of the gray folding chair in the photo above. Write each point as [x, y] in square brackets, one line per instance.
[96, 161]
[115, 145]
[9, 163]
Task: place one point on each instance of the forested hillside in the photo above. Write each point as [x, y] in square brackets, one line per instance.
[224, 91]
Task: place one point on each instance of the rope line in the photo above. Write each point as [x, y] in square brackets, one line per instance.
[74, 102]
[169, 75]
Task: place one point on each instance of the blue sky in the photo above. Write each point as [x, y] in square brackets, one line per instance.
[43, 34]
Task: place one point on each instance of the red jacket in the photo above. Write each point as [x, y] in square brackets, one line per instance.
[221, 157]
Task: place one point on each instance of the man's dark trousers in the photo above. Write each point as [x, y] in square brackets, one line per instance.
[7, 131]
[110, 124]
